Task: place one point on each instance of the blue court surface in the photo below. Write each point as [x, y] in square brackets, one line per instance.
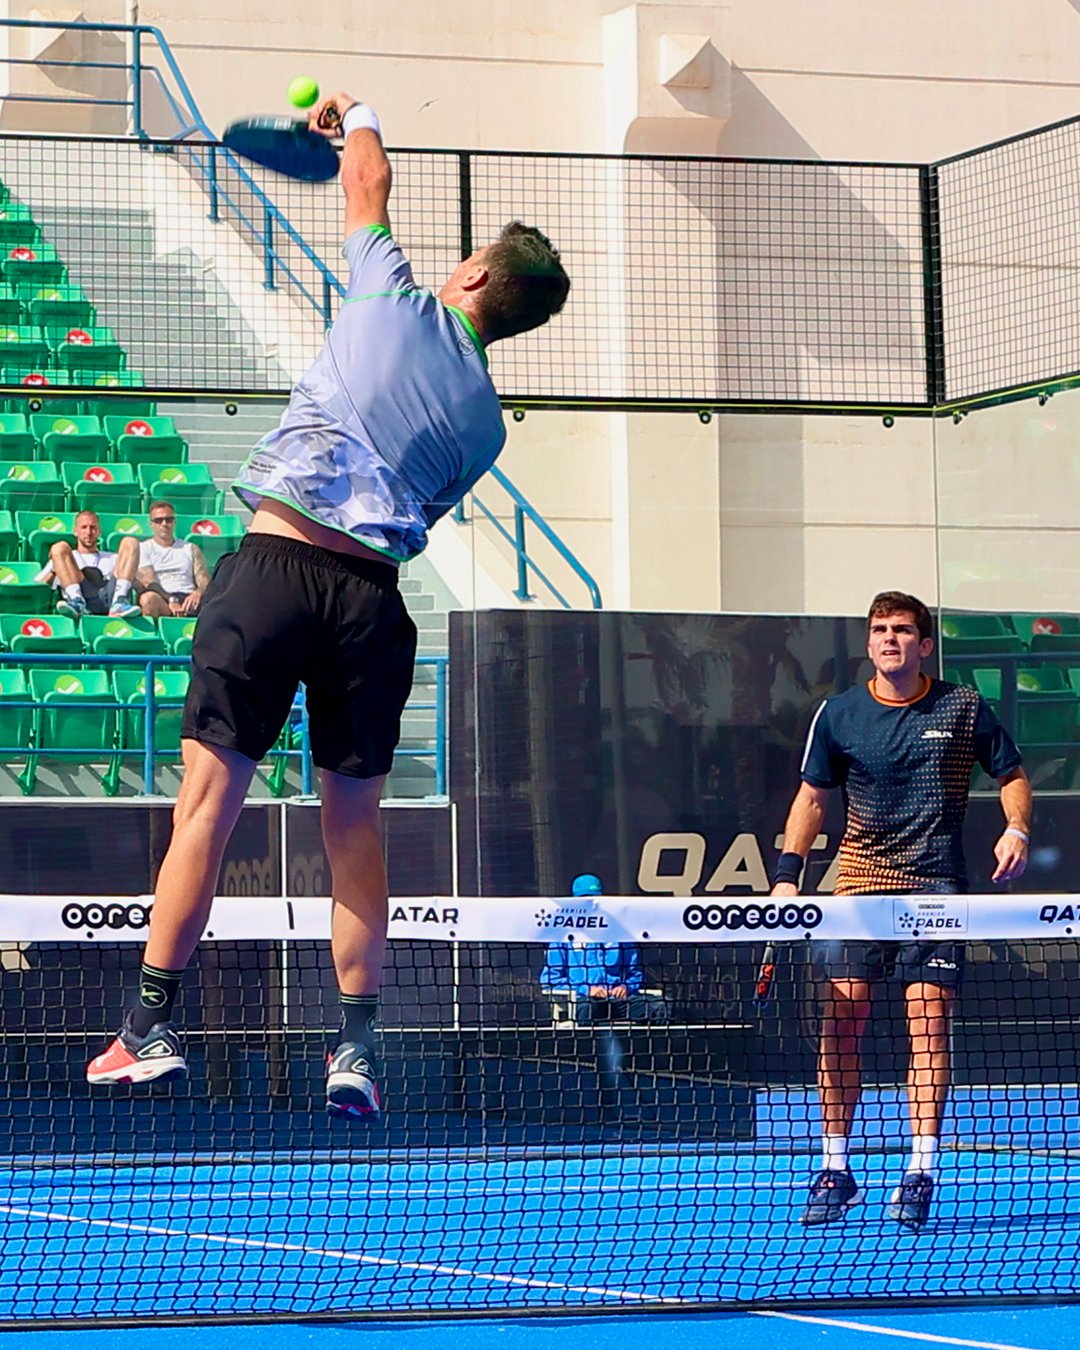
[1044, 1328]
[536, 1233]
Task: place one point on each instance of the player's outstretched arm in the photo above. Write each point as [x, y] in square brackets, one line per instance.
[1011, 849]
[802, 828]
[365, 170]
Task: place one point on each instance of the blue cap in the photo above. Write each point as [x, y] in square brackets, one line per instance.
[586, 884]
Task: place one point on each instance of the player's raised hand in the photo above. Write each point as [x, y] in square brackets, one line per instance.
[1011, 853]
[325, 116]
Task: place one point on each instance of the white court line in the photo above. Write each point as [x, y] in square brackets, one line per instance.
[265, 1245]
[892, 1331]
[450, 1189]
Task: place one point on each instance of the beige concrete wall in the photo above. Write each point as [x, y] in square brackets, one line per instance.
[751, 512]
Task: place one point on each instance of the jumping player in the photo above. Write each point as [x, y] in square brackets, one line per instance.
[389, 429]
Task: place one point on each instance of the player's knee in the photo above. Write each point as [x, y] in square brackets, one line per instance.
[59, 551]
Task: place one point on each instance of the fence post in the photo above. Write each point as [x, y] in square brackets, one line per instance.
[522, 591]
[933, 310]
[150, 709]
[268, 247]
[440, 728]
[465, 202]
[136, 83]
[212, 178]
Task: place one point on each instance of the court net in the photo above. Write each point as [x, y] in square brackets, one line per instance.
[541, 1147]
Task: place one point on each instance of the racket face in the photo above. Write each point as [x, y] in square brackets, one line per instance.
[285, 146]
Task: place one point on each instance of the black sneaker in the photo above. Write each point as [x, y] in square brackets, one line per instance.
[351, 1086]
[910, 1204]
[832, 1194]
[138, 1059]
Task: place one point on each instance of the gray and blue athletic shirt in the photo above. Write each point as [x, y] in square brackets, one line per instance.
[395, 421]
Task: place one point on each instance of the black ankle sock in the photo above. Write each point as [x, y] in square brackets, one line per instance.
[358, 1013]
[157, 993]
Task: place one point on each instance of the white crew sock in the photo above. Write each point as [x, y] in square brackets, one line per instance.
[123, 589]
[924, 1150]
[834, 1152]
[73, 592]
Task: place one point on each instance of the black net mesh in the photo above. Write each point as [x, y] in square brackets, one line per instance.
[540, 1146]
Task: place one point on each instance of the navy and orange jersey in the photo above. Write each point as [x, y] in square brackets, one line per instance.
[905, 770]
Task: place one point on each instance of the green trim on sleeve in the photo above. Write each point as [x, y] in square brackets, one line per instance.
[378, 229]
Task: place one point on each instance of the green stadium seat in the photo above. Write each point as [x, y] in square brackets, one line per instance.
[146, 440]
[190, 487]
[31, 485]
[961, 633]
[120, 379]
[215, 535]
[20, 593]
[1047, 707]
[15, 722]
[12, 310]
[23, 347]
[70, 717]
[45, 393]
[39, 633]
[16, 439]
[18, 228]
[170, 691]
[39, 266]
[115, 527]
[64, 438]
[41, 377]
[986, 680]
[102, 487]
[125, 406]
[89, 351]
[1049, 632]
[178, 634]
[137, 636]
[10, 539]
[40, 530]
[54, 306]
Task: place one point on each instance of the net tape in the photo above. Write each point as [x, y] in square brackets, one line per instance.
[95, 918]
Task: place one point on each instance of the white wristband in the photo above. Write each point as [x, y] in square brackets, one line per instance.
[1011, 829]
[360, 118]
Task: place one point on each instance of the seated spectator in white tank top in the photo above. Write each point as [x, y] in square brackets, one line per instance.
[173, 574]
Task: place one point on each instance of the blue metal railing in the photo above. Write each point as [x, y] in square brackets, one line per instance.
[294, 746]
[524, 511]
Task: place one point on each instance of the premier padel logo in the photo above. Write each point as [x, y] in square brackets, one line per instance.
[717, 918]
[92, 919]
[570, 916]
[918, 916]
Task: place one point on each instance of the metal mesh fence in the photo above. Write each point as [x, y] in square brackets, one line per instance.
[1010, 263]
[696, 282]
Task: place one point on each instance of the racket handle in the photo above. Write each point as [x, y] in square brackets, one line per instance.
[330, 117]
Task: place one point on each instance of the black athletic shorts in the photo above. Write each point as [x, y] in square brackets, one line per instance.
[940, 963]
[279, 611]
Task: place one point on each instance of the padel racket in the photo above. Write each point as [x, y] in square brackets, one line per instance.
[286, 146]
[763, 985]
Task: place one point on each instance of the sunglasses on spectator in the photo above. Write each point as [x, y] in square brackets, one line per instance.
[162, 520]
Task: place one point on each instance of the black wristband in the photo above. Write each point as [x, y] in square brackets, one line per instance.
[788, 869]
